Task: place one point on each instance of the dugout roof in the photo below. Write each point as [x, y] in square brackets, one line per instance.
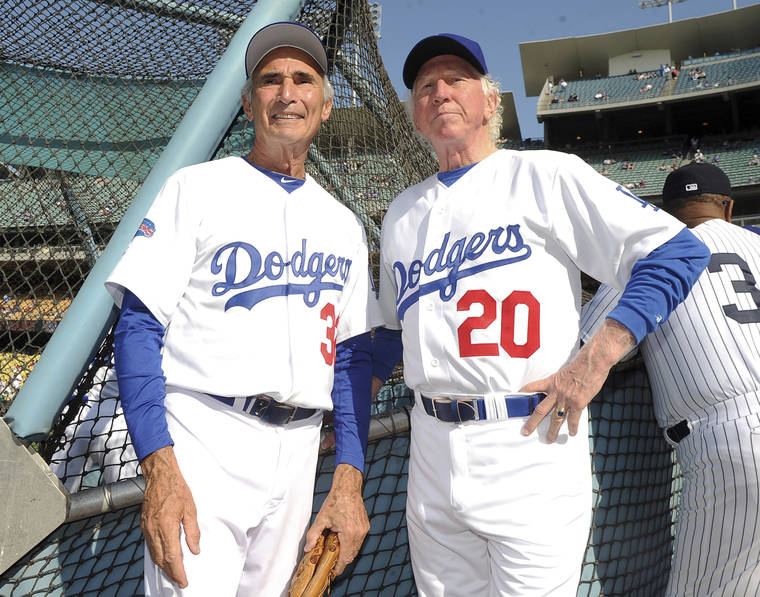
[565, 57]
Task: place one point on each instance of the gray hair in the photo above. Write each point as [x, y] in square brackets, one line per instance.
[490, 87]
[247, 90]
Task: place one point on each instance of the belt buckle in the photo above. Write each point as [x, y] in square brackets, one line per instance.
[470, 403]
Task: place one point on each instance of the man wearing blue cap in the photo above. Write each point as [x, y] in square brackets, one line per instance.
[480, 276]
[244, 316]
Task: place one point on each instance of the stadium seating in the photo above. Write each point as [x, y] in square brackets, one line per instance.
[720, 74]
[40, 202]
[734, 157]
[621, 88]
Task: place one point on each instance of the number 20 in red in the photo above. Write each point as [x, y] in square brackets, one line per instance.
[467, 348]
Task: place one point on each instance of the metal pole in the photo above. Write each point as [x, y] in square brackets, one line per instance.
[91, 314]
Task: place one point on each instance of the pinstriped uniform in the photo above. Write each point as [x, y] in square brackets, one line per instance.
[704, 367]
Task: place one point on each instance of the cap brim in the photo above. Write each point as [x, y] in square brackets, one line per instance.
[284, 35]
[430, 47]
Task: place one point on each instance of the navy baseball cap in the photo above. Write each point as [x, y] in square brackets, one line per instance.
[438, 45]
[695, 179]
[284, 35]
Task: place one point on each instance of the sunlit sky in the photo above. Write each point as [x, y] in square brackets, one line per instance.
[500, 25]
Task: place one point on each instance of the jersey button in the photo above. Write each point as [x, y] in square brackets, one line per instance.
[434, 362]
[429, 306]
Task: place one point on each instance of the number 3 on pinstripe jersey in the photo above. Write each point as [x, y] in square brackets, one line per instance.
[467, 348]
[328, 348]
[748, 285]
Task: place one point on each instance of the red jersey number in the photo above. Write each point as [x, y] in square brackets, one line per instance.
[467, 348]
[328, 348]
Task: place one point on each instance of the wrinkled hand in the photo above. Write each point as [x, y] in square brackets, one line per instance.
[343, 512]
[168, 505]
[571, 388]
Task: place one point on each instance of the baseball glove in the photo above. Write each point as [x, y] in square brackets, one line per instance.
[315, 571]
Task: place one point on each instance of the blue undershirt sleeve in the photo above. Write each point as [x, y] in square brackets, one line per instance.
[351, 396]
[659, 282]
[138, 340]
[387, 350]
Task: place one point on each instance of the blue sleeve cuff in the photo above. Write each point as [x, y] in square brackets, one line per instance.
[387, 351]
[352, 397]
[659, 282]
[138, 339]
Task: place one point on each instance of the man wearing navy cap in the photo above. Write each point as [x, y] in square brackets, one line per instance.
[480, 276]
[244, 316]
[704, 368]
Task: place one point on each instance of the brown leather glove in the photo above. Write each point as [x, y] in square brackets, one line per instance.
[315, 570]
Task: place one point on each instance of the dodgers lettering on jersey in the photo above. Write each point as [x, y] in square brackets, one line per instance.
[251, 281]
[314, 267]
[483, 276]
[450, 259]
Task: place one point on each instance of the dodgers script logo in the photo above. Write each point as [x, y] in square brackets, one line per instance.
[313, 268]
[146, 228]
[450, 259]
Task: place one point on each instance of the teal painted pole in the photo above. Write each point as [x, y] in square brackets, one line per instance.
[91, 314]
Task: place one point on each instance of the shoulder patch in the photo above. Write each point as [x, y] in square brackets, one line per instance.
[147, 228]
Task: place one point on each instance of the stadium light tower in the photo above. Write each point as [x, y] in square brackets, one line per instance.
[376, 14]
[655, 3]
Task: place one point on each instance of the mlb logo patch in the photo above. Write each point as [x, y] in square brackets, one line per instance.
[147, 228]
[692, 186]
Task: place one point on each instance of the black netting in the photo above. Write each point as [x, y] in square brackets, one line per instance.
[90, 94]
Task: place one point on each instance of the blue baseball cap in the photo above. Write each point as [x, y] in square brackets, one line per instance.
[438, 45]
[284, 35]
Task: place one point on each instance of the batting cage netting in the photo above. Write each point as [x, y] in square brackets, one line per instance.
[91, 92]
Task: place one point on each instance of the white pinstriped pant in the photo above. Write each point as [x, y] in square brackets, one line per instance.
[717, 544]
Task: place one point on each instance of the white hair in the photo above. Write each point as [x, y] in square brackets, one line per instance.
[247, 90]
[490, 87]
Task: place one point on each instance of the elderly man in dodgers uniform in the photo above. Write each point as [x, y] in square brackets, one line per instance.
[242, 311]
[480, 278]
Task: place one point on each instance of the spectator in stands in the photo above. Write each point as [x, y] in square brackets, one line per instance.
[647, 87]
[609, 161]
[716, 159]
[573, 97]
[755, 161]
[663, 167]
[26, 215]
[562, 85]
[550, 89]
[699, 156]
[642, 183]
[598, 95]
[674, 73]
[604, 171]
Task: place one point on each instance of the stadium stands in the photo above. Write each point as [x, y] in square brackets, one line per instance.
[621, 88]
[735, 157]
[725, 73]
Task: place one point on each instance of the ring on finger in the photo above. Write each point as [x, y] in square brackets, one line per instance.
[561, 412]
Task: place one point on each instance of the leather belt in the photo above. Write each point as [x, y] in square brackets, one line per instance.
[474, 408]
[678, 431]
[268, 409]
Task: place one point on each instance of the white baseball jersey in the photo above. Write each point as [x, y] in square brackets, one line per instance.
[255, 285]
[704, 368]
[483, 277]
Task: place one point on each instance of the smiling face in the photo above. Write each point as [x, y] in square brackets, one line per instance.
[450, 105]
[288, 102]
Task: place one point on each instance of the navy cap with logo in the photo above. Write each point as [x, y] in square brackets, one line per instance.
[438, 45]
[695, 179]
[284, 35]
